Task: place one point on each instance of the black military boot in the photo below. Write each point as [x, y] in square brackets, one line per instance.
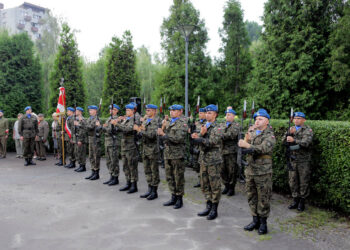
[126, 187]
[294, 204]
[110, 179]
[171, 202]
[115, 181]
[207, 209]
[263, 226]
[26, 163]
[179, 202]
[70, 165]
[133, 188]
[60, 163]
[231, 190]
[255, 224]
[145, 195]
[96, 176]
[154, 194]
[30, 161]
[225, 189]
[92, 174]
[81, 168]
[301, 206]
[213, 212]
[197, 185]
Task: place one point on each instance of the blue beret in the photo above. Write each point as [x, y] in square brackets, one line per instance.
[299, 114]
[202, 110]
[231, 111]
[71, 109]
[263, 113]
[28, 107]
[115, 106]
[151, 106]
[93, 107]
[130, 106]
[134, 104]
[211, 107]
[176, 107]
[80, 109]
[1, 111]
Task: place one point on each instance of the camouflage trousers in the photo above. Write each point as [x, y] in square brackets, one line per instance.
[28, 147]
[130, 162]
[175, 175]
[71, 151]
[211, 182]
[80, 153]
[59, 140]
[40, 149]
[112, 160]
[258, 189]
[229, 170]
[95, 155]
[151, 167]
[299, 180]
[3, 143]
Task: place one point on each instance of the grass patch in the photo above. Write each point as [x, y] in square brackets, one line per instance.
[264, 237]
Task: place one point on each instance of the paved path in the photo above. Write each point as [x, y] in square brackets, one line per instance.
[50, 207]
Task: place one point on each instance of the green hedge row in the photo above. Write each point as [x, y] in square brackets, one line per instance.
[330, 180]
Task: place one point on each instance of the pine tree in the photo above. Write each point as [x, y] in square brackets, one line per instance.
[67, 65]
[120, 76]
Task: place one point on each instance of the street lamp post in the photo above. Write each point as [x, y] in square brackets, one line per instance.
[186, 31]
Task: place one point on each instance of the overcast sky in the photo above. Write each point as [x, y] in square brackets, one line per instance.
[98, 21]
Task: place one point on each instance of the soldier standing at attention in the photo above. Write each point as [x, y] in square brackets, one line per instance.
[229, 171]
[93, 127]
[128, 149]
[4, 134]
[69, 127]
[195, 155]
[173, 133]
[28, 130]
[259, 145]
[148, 131]
[111, 149]
[43, 127]
[210, 158]
[299, 179]
[80, 126]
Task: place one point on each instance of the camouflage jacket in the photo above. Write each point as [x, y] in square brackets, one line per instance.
[70, 124]
[81, 130]
[149, 137]
[43, 128]
[110, 132]
[197, 130]
[260, 160]
[211, 145]
[4, 126]
[128, 135]
[28, 127]
[301, 148]
[93, 130]
[175, 139]
[230, 138]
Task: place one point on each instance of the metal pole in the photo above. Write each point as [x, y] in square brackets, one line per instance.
[186, 79]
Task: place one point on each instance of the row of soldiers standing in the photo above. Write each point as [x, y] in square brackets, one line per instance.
[215, 154]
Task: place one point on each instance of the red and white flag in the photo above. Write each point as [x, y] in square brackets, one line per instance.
[61, 101]
[68, 131]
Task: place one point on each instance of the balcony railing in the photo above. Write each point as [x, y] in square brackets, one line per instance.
[20, 26]
[27, 18]
[35, 29]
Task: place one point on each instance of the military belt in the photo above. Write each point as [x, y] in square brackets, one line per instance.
[264, 157]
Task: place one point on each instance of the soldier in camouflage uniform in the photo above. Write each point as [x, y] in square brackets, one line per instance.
[259, 145]
[28, 130]
[129, 150]
[174, 133]
[111, 149]
[210, 159]
[80, 131]
[195, 153]
[230, 169]
[43, 128]
[300, 139]
[70, 144]
[58, 132]
[148, 131]
[4, 134]
[93, 128]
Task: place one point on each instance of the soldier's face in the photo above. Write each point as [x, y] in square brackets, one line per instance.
[19, 117]
[150, 112]
[129, 112]
[210, 116]
[201, 115]
[175, 113]
[230, 117]
[298, 121]
[29, 111]
[1, 114]
[115, 111]
[78, 113]
[70, 113]
[92, 112]
[261, 122]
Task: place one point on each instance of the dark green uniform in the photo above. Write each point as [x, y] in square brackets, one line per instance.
[111, 148]
[81, 133]
[71, 140]
[43, 128]
[4, 132]
[94, 143]
[28, 128]
[195, 154]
